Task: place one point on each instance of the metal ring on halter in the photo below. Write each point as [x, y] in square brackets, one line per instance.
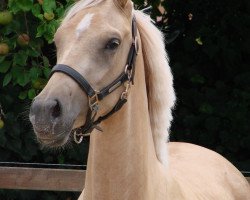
[79, 141]
[128, 72]
[76, 140]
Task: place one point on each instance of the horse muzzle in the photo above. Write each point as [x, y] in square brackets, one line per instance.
[46, 116]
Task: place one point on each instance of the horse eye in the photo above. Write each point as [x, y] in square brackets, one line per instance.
[113, 44]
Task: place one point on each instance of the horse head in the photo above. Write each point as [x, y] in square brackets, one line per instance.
[96, 45]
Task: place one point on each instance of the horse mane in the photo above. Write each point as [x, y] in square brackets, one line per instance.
[159, 82]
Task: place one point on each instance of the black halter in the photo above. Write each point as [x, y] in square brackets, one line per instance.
[125, 78]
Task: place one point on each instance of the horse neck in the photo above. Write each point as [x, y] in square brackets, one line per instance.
[122, 162]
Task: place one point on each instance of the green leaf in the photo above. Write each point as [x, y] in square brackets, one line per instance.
[2, 58]
[36, 10]
[25, 5]
[46, 61]
[12, 4]
[23, 95]
[23, 79]
[11, 28]
[46, 72]
[40, 16]
[47, 30]
[49, 5]
[5, 66]
[7, 79]
[16, 71]
[199, 41]
[32, 52]
[31, 94]
[60, 11]
[20, 58]
[34, 73]
[41, 29]
[20, 75]
[50, 30]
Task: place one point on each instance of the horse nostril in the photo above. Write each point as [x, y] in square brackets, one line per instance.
[56, 110]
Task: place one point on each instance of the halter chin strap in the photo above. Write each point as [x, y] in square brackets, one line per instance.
[126, 78]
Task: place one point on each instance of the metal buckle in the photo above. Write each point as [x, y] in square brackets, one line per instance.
[94, 101]
[127, 89]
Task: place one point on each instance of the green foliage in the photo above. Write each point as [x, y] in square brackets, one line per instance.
[25, 65]
[23, 73]
[210, 62]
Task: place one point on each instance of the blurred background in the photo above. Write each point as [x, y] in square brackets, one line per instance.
[209, 49]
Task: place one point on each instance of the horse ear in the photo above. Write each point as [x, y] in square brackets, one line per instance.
[122, 3]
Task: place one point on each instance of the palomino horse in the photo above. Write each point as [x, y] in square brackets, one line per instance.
[113, 74]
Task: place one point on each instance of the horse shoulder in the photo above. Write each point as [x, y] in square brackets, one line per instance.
[203, 174]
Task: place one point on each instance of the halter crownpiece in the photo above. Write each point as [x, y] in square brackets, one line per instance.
[126, 78]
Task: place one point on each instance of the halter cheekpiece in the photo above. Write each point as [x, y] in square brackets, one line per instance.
[126, 78]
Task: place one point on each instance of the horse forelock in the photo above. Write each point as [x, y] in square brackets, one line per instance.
[83, 4]
[78, 6]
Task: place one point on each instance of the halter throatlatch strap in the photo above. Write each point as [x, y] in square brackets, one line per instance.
[126, 78]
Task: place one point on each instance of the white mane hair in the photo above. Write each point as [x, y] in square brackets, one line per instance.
[159, 80]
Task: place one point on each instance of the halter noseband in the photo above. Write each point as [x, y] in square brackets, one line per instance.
[126, 78]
